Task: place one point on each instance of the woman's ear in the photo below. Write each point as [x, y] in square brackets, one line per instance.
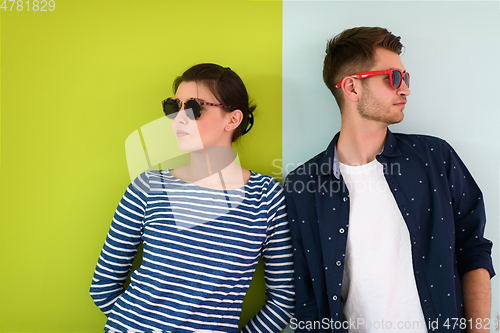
[234, 120]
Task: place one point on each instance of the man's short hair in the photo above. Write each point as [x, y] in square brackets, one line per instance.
[351, 52]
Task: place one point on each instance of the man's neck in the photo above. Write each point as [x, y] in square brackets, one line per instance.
[360, 143]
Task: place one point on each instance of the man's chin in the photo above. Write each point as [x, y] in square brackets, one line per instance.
[397, 120]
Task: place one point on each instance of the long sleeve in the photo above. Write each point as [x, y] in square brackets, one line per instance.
[120, 247]
[278, 268]
[473, 251]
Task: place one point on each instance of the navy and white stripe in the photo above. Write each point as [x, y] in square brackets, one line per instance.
[200, 250]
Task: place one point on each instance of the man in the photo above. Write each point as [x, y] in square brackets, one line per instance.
[387, 229]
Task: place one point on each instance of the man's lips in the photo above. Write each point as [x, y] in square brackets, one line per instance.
[402, 103]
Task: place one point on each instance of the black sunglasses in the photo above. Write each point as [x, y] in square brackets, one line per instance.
[171, 107]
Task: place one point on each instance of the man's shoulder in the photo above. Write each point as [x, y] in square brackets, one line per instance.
[423, 138]
[320, 163]
[420, 141]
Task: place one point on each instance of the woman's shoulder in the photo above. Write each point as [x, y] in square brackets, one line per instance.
[149, 180]
[266, 183]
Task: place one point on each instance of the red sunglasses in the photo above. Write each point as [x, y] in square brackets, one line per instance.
[396, 77]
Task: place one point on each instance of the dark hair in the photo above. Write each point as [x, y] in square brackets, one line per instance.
[226, 86]
[351, 52]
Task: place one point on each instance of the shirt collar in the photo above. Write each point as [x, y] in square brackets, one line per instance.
[331, 157]
[390, 146]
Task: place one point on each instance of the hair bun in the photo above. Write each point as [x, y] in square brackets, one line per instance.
[250, 121]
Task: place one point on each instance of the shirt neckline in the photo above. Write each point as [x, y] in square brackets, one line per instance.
[242, 188]
[361, 166]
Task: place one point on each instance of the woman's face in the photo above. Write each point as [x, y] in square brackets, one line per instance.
[209, 129]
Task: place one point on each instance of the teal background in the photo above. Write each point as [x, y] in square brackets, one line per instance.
[451, 52]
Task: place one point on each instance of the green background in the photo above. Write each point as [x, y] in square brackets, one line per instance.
[75, 83]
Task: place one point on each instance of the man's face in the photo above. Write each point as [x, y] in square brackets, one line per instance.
[378, 101]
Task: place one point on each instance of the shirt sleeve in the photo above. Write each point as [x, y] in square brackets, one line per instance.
[120, 247]
[278, 267]
[473, 251]
[306, 309]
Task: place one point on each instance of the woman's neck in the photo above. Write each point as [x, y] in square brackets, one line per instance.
[213, 167]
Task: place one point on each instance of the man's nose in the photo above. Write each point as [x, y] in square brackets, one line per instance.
[404, 89]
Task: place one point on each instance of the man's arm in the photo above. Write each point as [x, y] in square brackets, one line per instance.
[473, 251]
[306, 309]
[477, 299]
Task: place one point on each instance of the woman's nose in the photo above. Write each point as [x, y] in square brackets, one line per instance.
[184, 115]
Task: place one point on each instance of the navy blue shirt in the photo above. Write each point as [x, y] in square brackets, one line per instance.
[440, 203]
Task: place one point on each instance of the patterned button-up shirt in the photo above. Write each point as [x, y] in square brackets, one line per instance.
[440, 203]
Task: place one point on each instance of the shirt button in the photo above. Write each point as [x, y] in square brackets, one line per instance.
[339, 263]
[334, 297]
[341, 230]
[345, 199]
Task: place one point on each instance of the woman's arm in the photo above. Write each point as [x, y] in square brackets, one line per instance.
[120, 247]
[278, 268]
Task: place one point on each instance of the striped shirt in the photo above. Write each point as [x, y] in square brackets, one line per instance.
[200, 250]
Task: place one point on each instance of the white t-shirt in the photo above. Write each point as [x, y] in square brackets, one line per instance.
[379, 292]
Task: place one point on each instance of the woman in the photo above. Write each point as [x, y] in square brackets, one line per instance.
[203, 226]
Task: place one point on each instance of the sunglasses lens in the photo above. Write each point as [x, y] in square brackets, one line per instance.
[170, 108]
[407, 80]
[396, 79]
[193, 109]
